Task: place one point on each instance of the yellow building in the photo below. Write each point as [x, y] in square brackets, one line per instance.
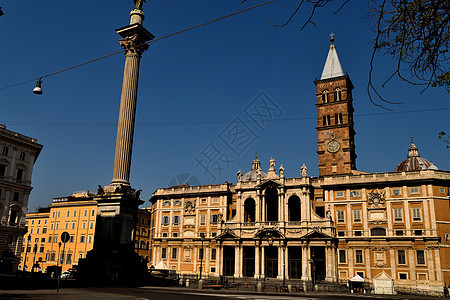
[76, 215]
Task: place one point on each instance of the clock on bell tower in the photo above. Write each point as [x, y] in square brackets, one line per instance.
[336, 144]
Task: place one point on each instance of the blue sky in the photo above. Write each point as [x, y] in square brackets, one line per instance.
[192, 87]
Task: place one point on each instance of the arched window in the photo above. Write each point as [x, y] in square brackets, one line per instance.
[325, 95]
[249, 210]
[294, 209]
[378, 231]
[271, 197]
[337, 95]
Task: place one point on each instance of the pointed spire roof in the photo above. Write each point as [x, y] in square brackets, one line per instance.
[332, 65]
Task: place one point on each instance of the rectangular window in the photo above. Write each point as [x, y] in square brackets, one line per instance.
[403, 275]
[359, 256]
[398, 214]
[165, 220]
[74, 213]
[44, 230]
[441, 190]
[175, 234]
[202, 219]
[69, 259]
[16, 196]
[416, 214]
[66, 225]
[43, 240]
[418, 232]
[57, 225]
[357, 215]
[166, 203]
[2, 170]
[341, 233]
[59, 214]
[174, 253]
[41, 249]
[176, 220]
[342, 257]
[93, 212]
[420, 257]
[91, 225]
[55, 239]
[71, 239]
[82, 238]
[214, 219]
[203, 201]
[163, 253]
[84, 225]
[355, 194]
[358, 233]
[85, 212]
[90, 239]
[19, 174]
[213, 254]
[5, 150]
[37, 230]
[215, 200]
[73, 225]
[340, 194]
[50, 239]
[401, 257]
[399, 232]
[396, 192]
[22, 156]
[341, 216]
[68, 213]
[414, 191]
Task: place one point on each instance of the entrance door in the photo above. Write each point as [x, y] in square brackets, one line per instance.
[271, 258]
[249, 261]
[228, 260]
[295, 262]
[318, 257]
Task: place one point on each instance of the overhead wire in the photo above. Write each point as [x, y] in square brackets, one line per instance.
[149, 42]
[195, 123]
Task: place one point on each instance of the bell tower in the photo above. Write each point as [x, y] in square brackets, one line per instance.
[336, 146]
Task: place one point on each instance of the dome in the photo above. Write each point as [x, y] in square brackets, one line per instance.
[253, 174]
[414, 162]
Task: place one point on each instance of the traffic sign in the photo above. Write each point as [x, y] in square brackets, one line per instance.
[65, 237]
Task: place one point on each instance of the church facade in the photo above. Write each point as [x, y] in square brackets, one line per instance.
[341, 224]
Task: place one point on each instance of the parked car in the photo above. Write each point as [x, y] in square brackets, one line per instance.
[65, 275]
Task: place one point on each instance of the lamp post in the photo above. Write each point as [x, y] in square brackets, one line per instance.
[202, 236]
[58, 258]
[34, 257]
[26, 251]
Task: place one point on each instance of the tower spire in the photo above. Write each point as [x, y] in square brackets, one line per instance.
[332, 66]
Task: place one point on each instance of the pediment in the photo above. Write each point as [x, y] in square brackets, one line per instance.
[316, 235]
[227, 234]
[266, 233]
[268, 183]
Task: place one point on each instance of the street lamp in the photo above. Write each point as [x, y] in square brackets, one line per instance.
[34, 258]
[26, 251]
[202, 251]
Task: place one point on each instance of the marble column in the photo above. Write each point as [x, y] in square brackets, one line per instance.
[237, 257]
[134, 41]
[263, 262]
[257, 262]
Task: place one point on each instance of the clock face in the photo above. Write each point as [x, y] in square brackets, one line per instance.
[333, 146]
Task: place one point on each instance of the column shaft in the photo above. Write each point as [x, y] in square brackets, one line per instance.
[125, 128]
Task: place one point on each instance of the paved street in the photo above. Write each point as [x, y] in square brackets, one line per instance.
[172, 294]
